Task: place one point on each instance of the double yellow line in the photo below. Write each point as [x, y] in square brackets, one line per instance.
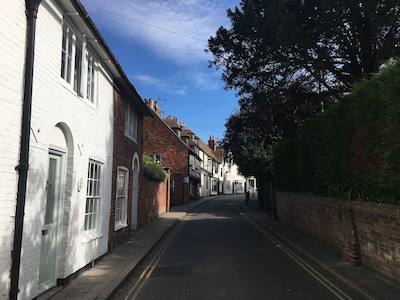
[148, 270]
[306, 266]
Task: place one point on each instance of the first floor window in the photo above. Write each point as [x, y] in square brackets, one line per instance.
[78, 69]
[156, 158]
[66, 54]
[90, 78]
[78, 65]
[121, 198]
[93, 196]
[131, 122]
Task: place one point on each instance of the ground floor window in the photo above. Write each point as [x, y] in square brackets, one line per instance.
[214, 185]
[121, 201]
[93, 196]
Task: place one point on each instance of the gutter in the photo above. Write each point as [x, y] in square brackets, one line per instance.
[32, 7]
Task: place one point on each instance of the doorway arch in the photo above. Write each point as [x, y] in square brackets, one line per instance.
[135, 190]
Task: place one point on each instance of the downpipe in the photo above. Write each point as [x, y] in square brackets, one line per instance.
[32, 7]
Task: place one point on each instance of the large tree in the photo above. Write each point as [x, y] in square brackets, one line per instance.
[288, 59]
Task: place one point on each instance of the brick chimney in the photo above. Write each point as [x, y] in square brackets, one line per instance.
[212, 144]
[156, 108]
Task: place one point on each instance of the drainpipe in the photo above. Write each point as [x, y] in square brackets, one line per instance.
[32, 7]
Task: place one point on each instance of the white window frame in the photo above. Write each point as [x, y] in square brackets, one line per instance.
[91, 78]
[66, 54]
[131, 122]
[78, 65]
[156, 158]
[121, 198]
[93, 198]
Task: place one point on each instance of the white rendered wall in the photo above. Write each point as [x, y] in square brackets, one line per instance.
[88, 131]
[12, 46]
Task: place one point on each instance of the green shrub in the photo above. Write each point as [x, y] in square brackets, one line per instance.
[352, 150]
[152, 169]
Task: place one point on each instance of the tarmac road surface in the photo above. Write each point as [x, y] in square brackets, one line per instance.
[218, 252]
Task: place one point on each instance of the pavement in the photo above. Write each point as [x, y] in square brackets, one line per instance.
[107, 275]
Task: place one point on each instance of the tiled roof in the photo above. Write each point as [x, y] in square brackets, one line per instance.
[207, 150]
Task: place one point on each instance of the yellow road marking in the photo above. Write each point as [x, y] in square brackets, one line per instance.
[307, 267]
[148, 270]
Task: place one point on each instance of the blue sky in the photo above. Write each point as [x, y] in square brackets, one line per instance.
[160, 45]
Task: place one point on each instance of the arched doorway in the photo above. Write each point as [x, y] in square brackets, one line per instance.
[51, 214]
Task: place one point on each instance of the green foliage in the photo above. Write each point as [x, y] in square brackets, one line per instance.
[267, 201]
[352, 150]
[246, 147]
[287, 57]
[152, 169]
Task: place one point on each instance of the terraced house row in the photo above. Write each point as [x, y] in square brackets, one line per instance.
[73, 133]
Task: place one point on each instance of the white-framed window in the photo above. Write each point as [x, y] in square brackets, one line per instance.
[78, 68]
[131, 122]
[214, 185]
[121, 201]
[90, 92]
[156, 158]
[93, 196]
[78, 65]
[66, 54]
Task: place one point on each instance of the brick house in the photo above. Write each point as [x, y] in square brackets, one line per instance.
[129, 110]
[72, 170]
[174, 147]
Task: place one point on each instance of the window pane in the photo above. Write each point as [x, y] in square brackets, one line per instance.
[92, 195]
[63, 53]
[121, 197]
[69, 57]
[131, 122]
[90, 79]
[78, 69]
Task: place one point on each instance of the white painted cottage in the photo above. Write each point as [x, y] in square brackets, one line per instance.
[68, 190]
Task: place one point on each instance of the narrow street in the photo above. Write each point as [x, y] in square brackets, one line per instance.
[218, 252]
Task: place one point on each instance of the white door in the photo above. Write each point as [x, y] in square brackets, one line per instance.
[48, 257]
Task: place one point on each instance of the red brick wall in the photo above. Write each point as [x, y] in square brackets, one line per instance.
[153, 201]
[363, 233]
[124, 149]
[159, 139]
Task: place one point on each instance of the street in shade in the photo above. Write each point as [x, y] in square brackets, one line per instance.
[218, 252]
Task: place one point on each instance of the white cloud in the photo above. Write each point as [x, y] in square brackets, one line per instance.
[167, 85]
[163, 24]
[206, 81]
[177, 84]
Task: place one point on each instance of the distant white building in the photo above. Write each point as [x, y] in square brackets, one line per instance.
[234, 182]
[210, 166]
[227, 174]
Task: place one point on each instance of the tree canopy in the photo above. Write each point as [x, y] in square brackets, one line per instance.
[290, 59]
[324, 45]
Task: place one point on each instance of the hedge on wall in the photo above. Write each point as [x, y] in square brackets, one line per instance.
[152, 169]
[352, 150]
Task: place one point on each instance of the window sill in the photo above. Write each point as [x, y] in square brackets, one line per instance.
[131, 138]
[89, 237]
[120, 226]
